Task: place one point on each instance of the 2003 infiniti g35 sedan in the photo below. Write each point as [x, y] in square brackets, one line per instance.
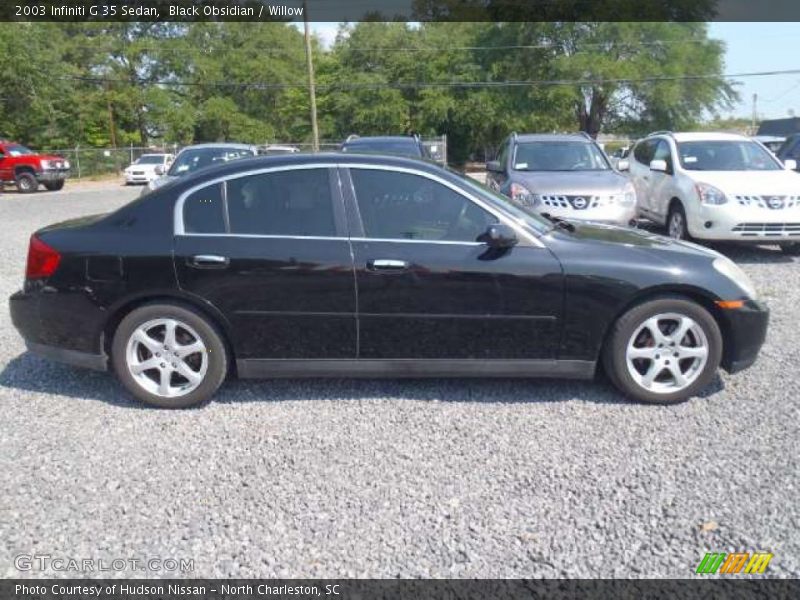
[348, 265]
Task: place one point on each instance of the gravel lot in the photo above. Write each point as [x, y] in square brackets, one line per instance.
[439, 478]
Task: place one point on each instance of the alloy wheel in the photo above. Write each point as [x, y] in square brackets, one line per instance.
[167, 357]
[676, 225]
[667, 353]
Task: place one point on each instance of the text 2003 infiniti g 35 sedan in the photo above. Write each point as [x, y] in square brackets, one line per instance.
[348, 265]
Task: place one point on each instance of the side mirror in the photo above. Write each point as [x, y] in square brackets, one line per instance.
[499, 235]
[494, 166]
[789, 164]
[658, 165]
[159, 170]
[624, 165]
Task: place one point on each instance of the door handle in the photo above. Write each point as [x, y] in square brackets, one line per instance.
[387, 264]
[208, 261]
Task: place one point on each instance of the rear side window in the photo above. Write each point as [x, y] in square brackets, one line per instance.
[402, 206]
[203, 211]
[286, 203]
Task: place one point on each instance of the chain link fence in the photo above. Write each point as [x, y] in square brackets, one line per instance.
[88, 162]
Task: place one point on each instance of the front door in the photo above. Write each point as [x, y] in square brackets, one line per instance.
[427, 289]
[270, 251]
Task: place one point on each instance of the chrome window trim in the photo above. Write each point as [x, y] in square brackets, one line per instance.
[179, 229]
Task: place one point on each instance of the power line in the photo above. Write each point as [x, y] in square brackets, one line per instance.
[430, 84]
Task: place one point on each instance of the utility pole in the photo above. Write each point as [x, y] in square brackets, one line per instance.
[755, 114]
[311, 91]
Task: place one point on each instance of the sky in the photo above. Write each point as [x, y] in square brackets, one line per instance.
[750, 47]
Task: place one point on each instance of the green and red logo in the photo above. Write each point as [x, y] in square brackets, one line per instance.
[734, 563]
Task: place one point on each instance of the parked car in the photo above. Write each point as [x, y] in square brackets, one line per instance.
[790, 151]
[562, 175]
[27, 168]
[201, 156]
[399, 145]
[771, 142]
[271, 149]
[717, 186]
[148, 167]
[365, 265]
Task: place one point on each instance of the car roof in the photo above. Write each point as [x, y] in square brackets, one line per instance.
[382, 138]
[220, 145]
[706, 136]
[553, 137]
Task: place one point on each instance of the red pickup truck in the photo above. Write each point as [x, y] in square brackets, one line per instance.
[27, 169]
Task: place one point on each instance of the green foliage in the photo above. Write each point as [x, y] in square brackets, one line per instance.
[100, 84]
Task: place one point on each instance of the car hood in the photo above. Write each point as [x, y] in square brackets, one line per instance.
[756, 183]
[641, 240]
[571, 183]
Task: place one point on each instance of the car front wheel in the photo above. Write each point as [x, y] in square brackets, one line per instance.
[663, 351]
[169, 356]
[676, 223]
[26, 183]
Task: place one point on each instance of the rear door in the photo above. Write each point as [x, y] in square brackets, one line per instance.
[269, 249]
[427, 289]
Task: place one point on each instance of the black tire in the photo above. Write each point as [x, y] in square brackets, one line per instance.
[791, 249]
[677, 214]
[216, 353]
[615, 357]
[54, 186]
[27, 183]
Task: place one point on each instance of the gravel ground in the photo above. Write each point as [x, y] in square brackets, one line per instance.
[438, 478]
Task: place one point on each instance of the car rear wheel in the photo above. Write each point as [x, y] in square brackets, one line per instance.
[54, 186]
[26, 183]
[663, 351]
[169, 356]
[676, 223]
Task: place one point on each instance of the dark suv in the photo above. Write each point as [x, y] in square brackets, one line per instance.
[562, 175]
[399, 145]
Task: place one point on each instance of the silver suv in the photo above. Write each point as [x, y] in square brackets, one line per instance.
[562, 175]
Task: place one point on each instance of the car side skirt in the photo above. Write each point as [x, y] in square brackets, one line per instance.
[406, 367]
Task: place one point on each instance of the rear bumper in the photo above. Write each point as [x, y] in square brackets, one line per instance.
[52, 341]
[746, 330]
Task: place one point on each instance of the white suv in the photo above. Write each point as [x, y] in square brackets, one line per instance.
[717, 186]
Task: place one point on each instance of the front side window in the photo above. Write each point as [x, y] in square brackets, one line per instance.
[725, 156]
[559, 156]
[663, 153]
[203, 211]
[643, 153]
[284, 203]
[405, 206]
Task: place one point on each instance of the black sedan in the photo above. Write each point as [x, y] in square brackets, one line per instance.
[348, 265]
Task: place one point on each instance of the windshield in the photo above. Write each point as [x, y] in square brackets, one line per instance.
[190, 161]
[401, 147]
[725, 156]
[17, 150]
[559, 156]
[150, 159]
[527, 217]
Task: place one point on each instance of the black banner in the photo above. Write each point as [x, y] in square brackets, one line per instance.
[398, 10]
[382, 589]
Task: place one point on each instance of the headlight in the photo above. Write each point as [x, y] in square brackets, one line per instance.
[66, 164]
[733, 272]
[521, 195]
[708, 194]
[46, 164]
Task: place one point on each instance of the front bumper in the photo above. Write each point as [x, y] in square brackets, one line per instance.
[611, 215]
[745, 330]
[52, 175]
[734, 222]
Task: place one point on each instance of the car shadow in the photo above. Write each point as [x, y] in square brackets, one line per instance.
[30, 373]
[747, 254]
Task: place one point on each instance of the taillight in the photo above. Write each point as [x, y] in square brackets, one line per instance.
[42, 259]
